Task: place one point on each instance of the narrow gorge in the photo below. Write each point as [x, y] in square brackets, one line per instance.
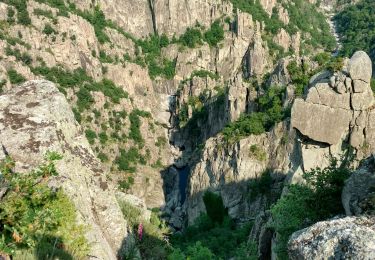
[202, 129]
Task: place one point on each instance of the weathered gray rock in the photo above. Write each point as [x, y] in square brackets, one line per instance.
[35, 118]
[320, 122]
[345, 238]
[333, 102]
[360, 67]
[358, 195]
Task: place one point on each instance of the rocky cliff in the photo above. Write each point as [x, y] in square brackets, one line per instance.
[140, 94]
[35, 118]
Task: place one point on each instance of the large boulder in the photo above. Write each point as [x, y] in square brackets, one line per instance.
[35, 118]
[358, 195]
[345, 238]
[360, 67]
[333, 103]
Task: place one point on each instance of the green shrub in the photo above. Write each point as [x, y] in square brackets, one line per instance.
[10, 14]
[103, 137]
[103, 157]
[355, 25]
[15, 77]
[91, 136]
[135, 124]
[304, 205]
[191, 38]
[126, 183]
[38, 219]
[270, 112]
[24, 57]
[221, 240]
[2, 84]
[127, 160]
[45, 13]
[261, 185]
[48, 29]
[204, 74]
[373, 85]
[84, 98]
[214, 207]
[22, 13]
[215, 34]
[257, 153]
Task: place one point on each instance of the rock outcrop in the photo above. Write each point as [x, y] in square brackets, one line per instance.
[338, 108]
[345, 238]
[229, 170]
[35, 118]
[358, 195]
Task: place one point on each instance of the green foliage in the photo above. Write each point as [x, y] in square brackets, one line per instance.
[15, 77]
[103, 157]
[214, 241]
[127, 160]
[135, 124]
[303, 17]
[103, 57]
[270, 112]
[261, 185]
[126, 183]
[373, 85]
[191, 38]
[2, 84]
[304, 205]
[22, 13]
[103, 137]
[23, 57]
[258, 153]
[194, 37]
[161, 141]
[214, 207]
[157, 66]
[35, 218]
[204, 74]
[153, 244]
[355, 24]
[45, 13]
[10, 14]
[86, 84]
[299, 76]
[91, 136]
[215, 34]
[48, 29]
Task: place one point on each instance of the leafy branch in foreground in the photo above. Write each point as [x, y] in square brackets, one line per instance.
[37, 222]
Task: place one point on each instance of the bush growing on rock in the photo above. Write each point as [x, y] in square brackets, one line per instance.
[304, 205]
[15, 77]
[36, 221]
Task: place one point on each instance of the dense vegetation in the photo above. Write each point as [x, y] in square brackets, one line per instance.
[303, 205]
[356, 26]
[303, 17]
[213, 236]
[270, 111]
[35, 221]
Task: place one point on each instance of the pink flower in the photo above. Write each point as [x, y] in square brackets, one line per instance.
[140, 231]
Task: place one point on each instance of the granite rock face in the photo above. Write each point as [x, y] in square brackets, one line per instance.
[337, 109]
[358, 195]
[35, 118]
[345, 238]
